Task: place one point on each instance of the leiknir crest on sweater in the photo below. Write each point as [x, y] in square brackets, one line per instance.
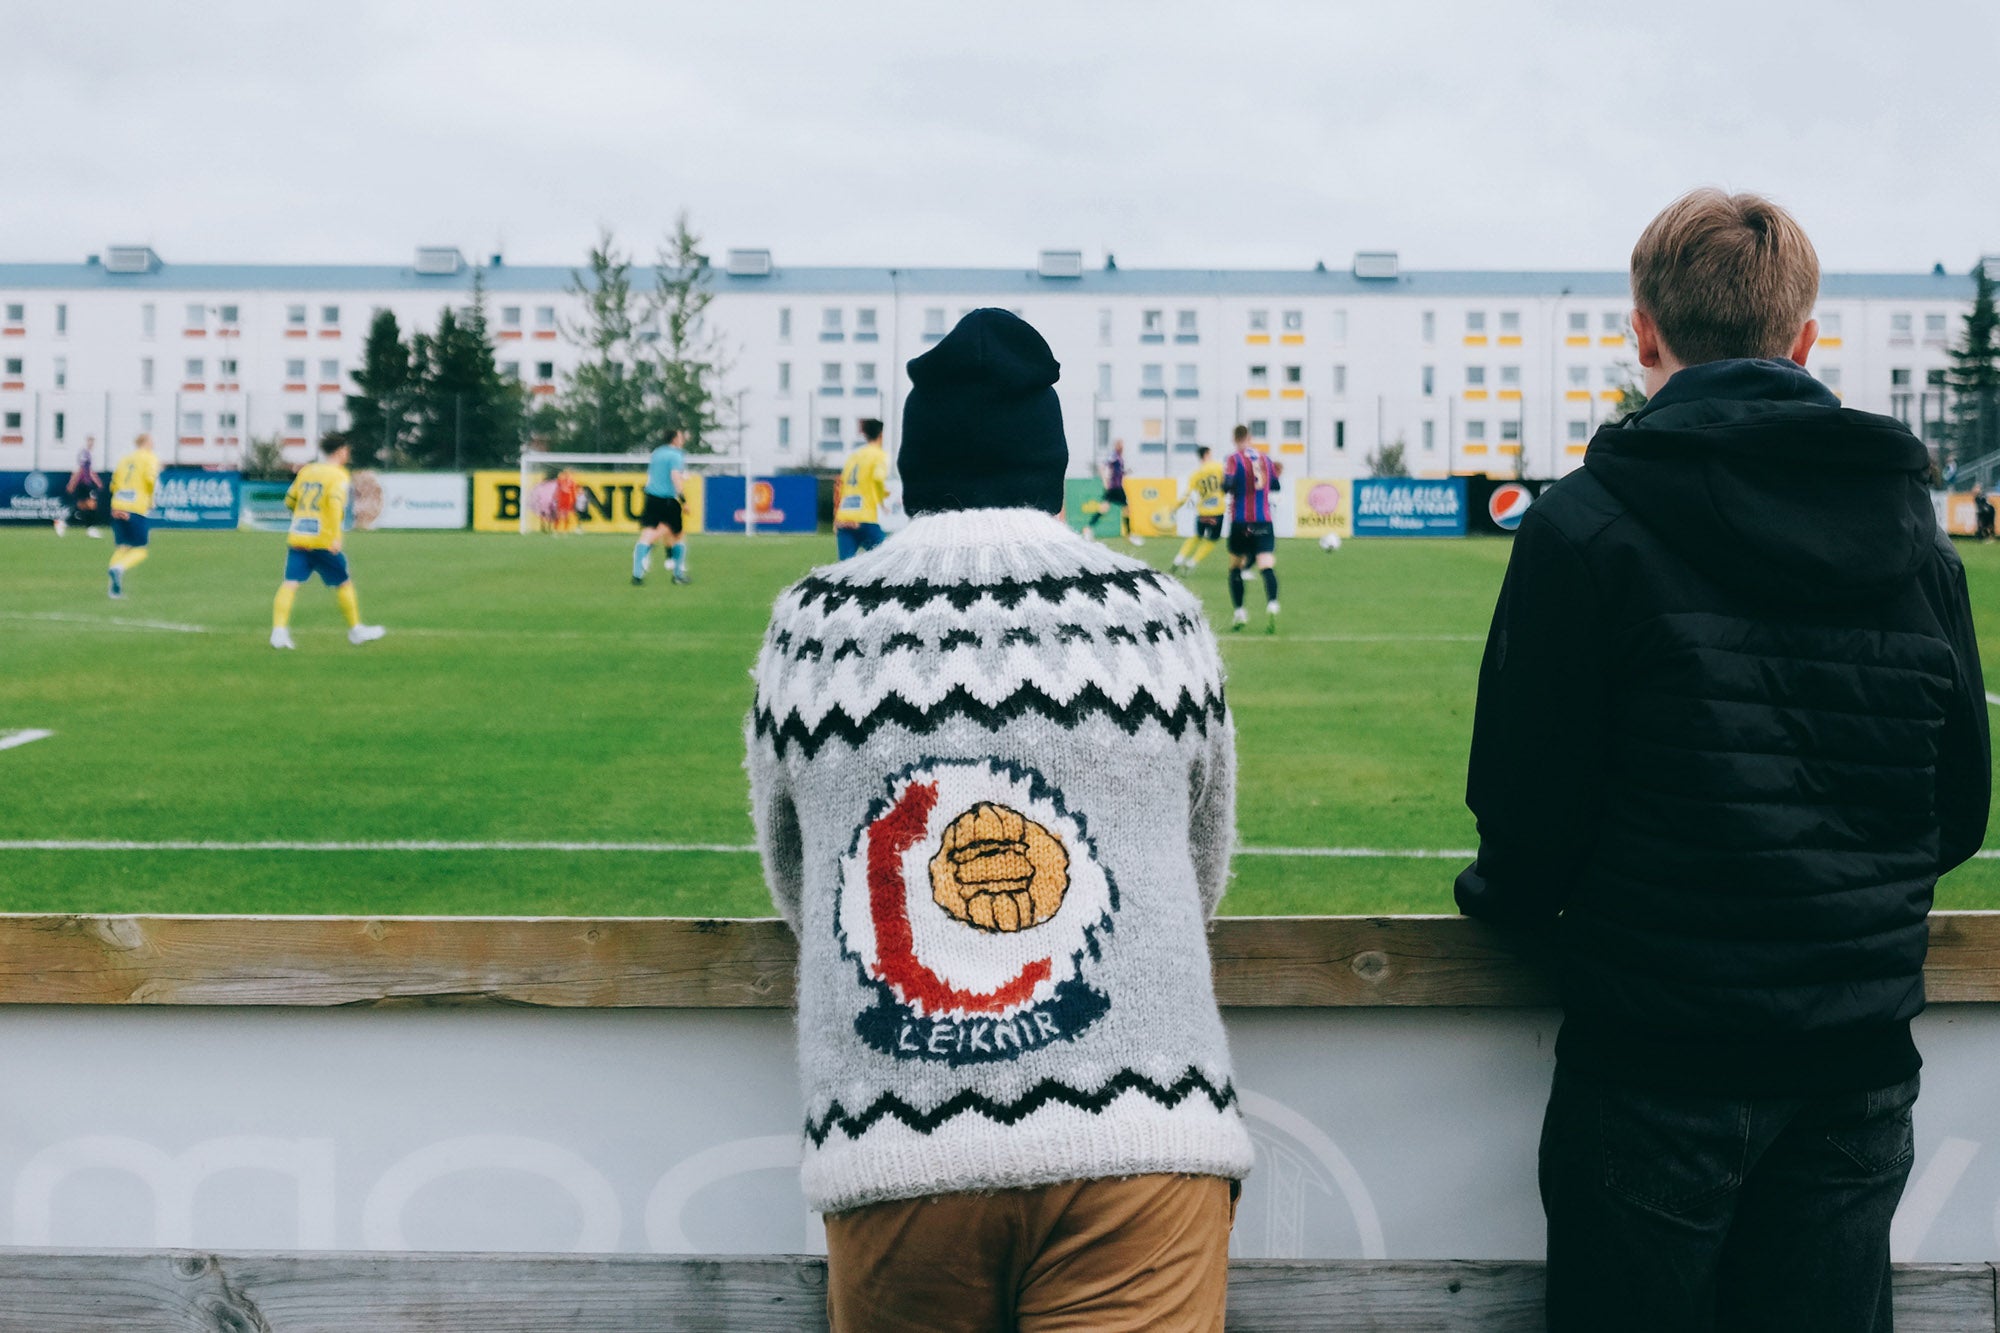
[974, 903]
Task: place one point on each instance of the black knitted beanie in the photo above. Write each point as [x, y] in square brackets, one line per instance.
[982, 428]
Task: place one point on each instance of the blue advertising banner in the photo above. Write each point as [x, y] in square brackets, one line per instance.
[264, 506]
[187, 498]
[32, 497]
[784, 504]
[1409, 507]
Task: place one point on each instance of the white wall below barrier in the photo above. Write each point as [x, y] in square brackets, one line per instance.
[1381, 1132]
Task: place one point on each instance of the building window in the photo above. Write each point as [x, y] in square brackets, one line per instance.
[1614, 378]
[864, 377]
[62, 424]
[1899, 327]
[1510, 377]
[13, 367]
[784, 432]
[832, 324]
[1899, 379]
[1187, 328]
[17, 313]
[295, 423]
[228, 315]
[1153, 428]
[864, 326]
[225, 421]
[329, 372]
[1430, 323]
[1103, 379]
[191, 423]
[1339, 435]
[512, 370]
[1614, 323]
[1934, 379]
[226, 368]
[145, 371]
[784, 323]
[295, 370]
[934, 322]
[1295, 375]
[12, 421]
[545, 317]
[1260, 321]
[1510, 323]
[1295, 321]
[1152, 325]
[1187, 380]
[1579, 431]
[784, 377]
[1294, 428]
[510, 316]
[1104, 328]
[1475, 377]
[62, 372]
[1340, 326]
[1830, 377]
[1933, 327]
[1510, 432]
[829, 429]
[1340, 380]
[197, 317]
[1103, 435]
[1430, 380]
[545, 371]
[329, 422]
[329, 315]
[1580, 376]
[62, 318]
[1153, 379]
[197, 370]
[1187, 430]
[1430, 436]
[1475, 432]
[146, 423]
[295, 316]
[1260, 377]
[1475, 322]
[148, 317]
[1579, 322]
[1829, 324]
[829, 376]
[1259, 428]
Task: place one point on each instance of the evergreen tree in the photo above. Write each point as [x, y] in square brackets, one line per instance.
[468, 413]
[611, 401]
[689, 353]
[380, 425]
[1974, 377]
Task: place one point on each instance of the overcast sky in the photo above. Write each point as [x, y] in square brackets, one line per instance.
[1463, 133]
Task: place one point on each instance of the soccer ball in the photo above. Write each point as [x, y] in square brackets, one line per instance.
[1330, 542]
[997, 870]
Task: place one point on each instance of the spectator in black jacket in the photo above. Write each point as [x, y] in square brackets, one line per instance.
[1731, 729]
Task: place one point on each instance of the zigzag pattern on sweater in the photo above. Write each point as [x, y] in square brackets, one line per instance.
[813, 650]
[959, 702]
[1048, 1091]
[834, 594]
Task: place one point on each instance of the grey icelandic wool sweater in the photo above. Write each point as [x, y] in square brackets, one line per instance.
[993, 778]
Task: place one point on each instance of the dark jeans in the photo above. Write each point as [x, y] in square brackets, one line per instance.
[1675, 1212]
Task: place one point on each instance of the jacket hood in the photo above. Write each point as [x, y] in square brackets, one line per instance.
[1754, 474]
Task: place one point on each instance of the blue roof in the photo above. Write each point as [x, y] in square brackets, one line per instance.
[548, 278]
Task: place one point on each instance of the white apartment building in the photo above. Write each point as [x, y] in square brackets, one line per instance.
[1472, 371]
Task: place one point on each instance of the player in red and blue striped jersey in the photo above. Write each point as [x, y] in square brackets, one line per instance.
[1248, 478]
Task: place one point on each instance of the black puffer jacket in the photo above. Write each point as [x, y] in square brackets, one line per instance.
[1731, 729]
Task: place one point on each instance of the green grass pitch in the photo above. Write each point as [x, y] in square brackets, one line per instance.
[527, 692]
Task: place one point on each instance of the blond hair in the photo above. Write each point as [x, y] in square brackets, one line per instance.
[1725, 275]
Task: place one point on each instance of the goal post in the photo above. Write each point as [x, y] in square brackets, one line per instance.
[538, 466]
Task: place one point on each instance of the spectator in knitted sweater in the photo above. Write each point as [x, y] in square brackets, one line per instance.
[993, 778]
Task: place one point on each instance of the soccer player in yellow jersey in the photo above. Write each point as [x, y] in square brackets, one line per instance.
[864, 484]
[132, 484]
[318, 501]
[1205, 494]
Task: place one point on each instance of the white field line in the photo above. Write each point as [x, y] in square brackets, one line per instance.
[1993, 698]
[104, 622]
[27, 735]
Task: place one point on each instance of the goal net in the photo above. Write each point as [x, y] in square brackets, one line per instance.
[576, 492]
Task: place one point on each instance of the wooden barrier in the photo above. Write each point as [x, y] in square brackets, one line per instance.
[154, 1291]
[675, 963]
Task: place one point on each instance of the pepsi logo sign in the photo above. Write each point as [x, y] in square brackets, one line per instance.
[1508, 505]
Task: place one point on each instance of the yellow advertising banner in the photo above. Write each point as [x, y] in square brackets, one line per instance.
[1150, 501]
[1961, 516]
[1323, 505]
[609, 501]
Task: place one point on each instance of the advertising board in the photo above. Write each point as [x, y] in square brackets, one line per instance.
[1409, 507]
[784, 504]
[190, 498]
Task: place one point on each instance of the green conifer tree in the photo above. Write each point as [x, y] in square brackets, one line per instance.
[1974, 377]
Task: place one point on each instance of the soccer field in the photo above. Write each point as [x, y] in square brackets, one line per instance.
[528, 694]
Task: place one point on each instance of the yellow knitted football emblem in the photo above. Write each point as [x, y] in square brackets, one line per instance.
[998, 870]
